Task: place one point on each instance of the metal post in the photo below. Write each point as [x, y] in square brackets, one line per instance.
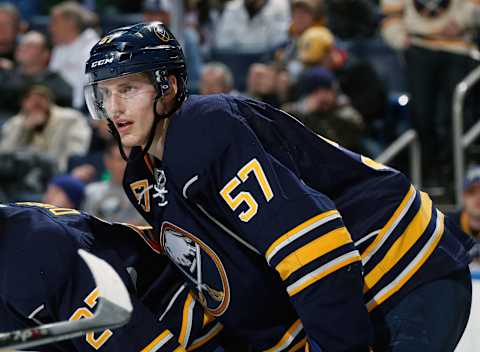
[416, 162]
[458, 144]
[408, 138]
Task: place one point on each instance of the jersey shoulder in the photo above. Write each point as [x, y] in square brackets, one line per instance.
[200, 132]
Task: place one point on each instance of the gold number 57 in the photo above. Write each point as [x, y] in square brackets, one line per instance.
[246, 197]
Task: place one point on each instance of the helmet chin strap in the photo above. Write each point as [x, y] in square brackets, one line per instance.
[114, 132]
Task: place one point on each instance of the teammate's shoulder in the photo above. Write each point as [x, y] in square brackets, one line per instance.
[47, 224]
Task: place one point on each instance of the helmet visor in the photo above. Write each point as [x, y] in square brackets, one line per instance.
[105, 98]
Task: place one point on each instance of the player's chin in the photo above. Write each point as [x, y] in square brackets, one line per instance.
[130, 141]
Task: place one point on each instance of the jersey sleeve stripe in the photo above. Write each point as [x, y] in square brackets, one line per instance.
[402, 245]
[202, 340]
[288, 337]
[158, 342]
[313, 250]
[386, 230]
[299, 231]
[298, 345]
[323, 271]
[412, 268]
[187, 320]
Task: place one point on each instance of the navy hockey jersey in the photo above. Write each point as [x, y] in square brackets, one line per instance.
[36, 289]
[281, 233]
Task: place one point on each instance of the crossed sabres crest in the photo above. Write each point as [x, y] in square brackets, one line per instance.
[161, 33]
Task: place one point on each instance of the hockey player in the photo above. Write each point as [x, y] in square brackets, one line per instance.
[289, 239]
[43, 280]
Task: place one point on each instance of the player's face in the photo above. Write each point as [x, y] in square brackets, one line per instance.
[128, 102]
[471, 200]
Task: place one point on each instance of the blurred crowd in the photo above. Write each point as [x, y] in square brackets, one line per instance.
[359, 72]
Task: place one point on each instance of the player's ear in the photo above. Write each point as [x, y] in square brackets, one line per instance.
[172, 80]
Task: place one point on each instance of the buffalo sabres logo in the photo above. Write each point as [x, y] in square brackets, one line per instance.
[200, 265]
[161, 33]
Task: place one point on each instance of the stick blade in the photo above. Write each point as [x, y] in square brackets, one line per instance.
[108, 282]
[114, 310]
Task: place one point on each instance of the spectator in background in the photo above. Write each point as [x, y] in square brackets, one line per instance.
[253, 26]
[65, 191]
[262, 83]
[305, 14]
[324, 110]
[90, 167]
[216, 78]
[41, 126]
[317, 47]
[72, 40]
[32, 57]
[161, 10]
[468, 218]
[436, 38]
[10, 26]
[107, 199]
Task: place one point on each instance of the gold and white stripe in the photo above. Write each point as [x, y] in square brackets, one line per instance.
[313, 250]
[299, 231]
[158, 342]
[412, 267]
[187, 319]
[288, 337]
[392, 223]
[415, 229]
[200, 341]
[323, 271]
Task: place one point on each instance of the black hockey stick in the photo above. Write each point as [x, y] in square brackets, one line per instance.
[114, 310]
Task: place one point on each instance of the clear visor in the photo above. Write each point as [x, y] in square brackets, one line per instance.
[105, 98]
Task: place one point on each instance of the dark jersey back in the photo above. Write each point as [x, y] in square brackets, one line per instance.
[43, 280]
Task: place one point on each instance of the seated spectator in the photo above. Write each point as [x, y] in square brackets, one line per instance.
[324, 110]
[42, 126]
[65, 191]
[90, 167]
[216, 78]
[468, 218]
[107, 199]
[10, 27]
[161, 10]
[72, 40]
[32, 56]
[305, 14]
[315, 47]
[250, 26]
[262, 83]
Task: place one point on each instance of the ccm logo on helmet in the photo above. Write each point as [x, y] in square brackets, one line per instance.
[102, 62]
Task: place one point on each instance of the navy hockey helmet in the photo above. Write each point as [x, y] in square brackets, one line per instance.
[144, 47]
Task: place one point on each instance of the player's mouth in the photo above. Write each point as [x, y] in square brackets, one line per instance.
[123, 126]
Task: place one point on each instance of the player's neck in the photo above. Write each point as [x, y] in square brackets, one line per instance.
[158, 144]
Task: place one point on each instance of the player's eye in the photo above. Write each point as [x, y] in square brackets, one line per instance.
[127, 90]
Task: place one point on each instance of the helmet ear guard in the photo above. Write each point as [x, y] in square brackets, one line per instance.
[161, 81]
